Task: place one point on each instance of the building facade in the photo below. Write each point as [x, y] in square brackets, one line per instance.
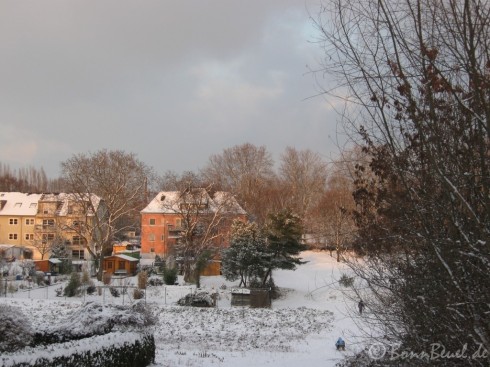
[164, 219]
[39, 222]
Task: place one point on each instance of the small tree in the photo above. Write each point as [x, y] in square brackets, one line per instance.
[244, 259]
[283, 234]
[73, 285]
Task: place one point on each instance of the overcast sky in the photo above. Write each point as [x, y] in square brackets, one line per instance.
[172, 81]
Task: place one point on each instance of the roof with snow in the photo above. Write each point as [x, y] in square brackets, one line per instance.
[124, 257]
[171, 202]
[18, 203]
[66, 199]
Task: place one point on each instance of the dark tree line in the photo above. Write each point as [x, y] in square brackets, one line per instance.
[26, 180]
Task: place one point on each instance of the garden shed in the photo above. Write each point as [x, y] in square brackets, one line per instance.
[120, 264]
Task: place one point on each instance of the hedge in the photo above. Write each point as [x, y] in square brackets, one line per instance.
[117, 349]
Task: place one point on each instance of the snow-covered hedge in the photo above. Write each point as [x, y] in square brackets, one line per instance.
[94, 319]
[117, 349]
[15, 331]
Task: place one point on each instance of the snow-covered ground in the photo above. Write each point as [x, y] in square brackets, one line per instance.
[300, 328]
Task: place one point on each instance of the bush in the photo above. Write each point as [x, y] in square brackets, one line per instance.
[39, 277]
[106, 278]
[142, 279]
[138, 293]
[346, 281]
[114, 291]
[155, 282]
[15, 330]
[91, 289]
[170, 276]
[73, 285]
[126, 349]
[201, 299]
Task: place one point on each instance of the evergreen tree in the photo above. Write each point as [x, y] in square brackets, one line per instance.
[244, 258]
[283, 234]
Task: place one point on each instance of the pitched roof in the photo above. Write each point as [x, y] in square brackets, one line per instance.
[169, 202]
[65, 200]
[18, 203]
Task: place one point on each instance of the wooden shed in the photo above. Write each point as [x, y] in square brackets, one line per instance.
[120, 264]
[48, 266]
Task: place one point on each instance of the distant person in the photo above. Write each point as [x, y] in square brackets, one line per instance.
[361, 306]
[340, 344]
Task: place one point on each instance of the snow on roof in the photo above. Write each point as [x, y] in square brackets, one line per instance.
[125, 257]
[18, 203]
[168, 202]
[68, 198]
[55, 261]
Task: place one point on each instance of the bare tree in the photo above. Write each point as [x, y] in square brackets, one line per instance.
[205, 218]
[120, 180]
[246, 171]
[416, 76]
[331, 218]
[305, 173]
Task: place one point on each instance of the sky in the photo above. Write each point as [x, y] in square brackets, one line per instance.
[172, 81]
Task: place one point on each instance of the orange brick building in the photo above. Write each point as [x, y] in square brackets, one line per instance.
[163, 220]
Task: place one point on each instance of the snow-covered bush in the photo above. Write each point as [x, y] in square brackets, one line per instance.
[138, 293]
[95, 319]
[154, 281]
[114, 349]
[170, 276]
[15, 330]
[201, 299]
[114, 292]
[73, 285]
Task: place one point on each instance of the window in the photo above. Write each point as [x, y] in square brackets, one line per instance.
[17, 205]
[33, 205]
[122, 265]
[78, 240]
[29, 221]
[151, 237]
[48, 237]
[163, 238]
[48, 222]
[152, 249]
[29, 236]
[77, 224]
[12, 236]
[152, 221]
[78, 254]
[13, 221]
[109, 265]
[178, 222]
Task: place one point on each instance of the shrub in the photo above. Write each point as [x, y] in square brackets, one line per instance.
[114, 291]
[142, 279]
[73, 285]
[106, 278]
[201, 299]
[138, 293]
[155, 282]
[39, 278]
[15, 330]
[346, 281]
[91, 289]
[85, 277]
[170, 276]
[115, 349]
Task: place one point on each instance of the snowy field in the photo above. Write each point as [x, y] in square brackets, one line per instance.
[301, 327]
